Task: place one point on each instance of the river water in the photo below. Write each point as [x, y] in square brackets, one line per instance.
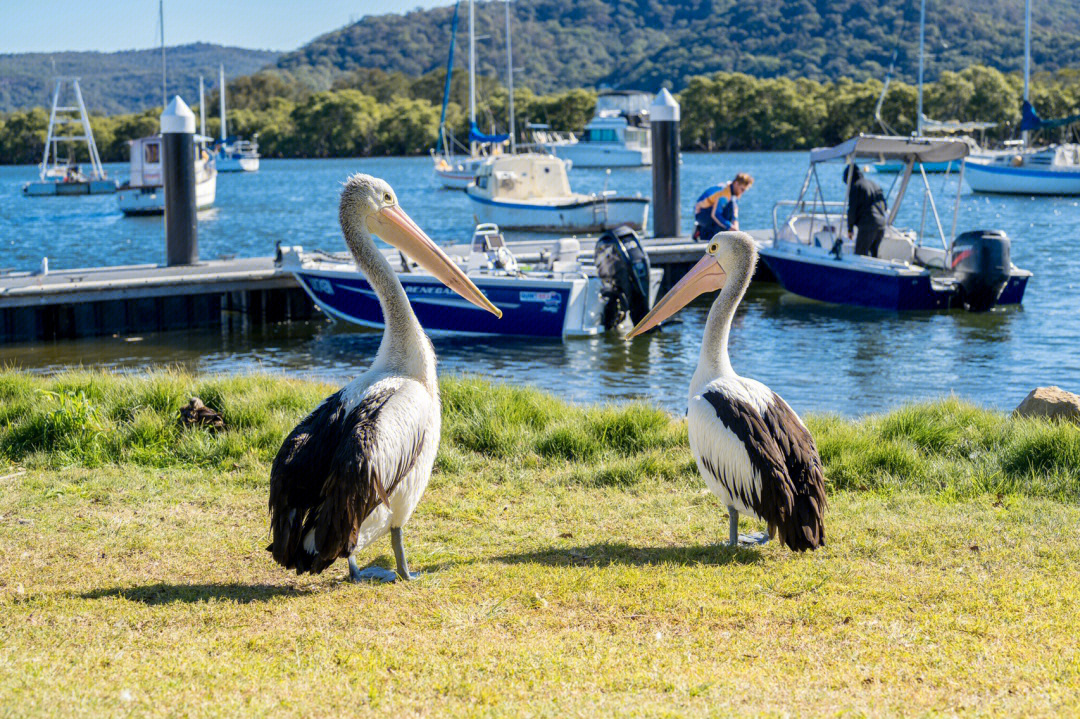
[819, 357]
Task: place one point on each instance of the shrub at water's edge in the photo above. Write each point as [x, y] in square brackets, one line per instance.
[948, 448]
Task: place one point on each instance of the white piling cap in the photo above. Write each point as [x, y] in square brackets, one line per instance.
[665, 108]
[178, 117]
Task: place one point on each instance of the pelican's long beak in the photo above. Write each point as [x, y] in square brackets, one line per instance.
[706, 276]
[392, 225]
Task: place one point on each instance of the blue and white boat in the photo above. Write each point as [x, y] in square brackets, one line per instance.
[811, 255]
[559, 299]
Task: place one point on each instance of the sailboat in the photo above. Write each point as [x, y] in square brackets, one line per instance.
[924, 124]
[454, 171]
[1049, 170]
[233, 154]
[65, 178]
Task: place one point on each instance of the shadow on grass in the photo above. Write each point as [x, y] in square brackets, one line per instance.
[194, 593]
[606, 554]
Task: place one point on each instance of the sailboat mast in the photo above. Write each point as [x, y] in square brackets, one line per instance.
[202, 107]
[510, 79]
[221, 98]
[161, 22]
[922, 62]
[1027, 58]
[472, 76]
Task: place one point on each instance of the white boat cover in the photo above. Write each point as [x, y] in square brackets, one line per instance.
[892, 147]
[954, 125]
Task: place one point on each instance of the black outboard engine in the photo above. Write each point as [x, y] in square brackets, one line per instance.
[623, 269]
[981, 264]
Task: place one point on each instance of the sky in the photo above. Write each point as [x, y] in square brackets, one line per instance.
[110, 25]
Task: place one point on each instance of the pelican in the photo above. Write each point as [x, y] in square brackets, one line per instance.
[356, 467]
[752, 450]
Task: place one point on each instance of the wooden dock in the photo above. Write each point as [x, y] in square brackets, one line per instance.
[64, 304]
[145, 298]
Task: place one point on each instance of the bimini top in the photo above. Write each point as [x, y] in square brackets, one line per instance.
[892, 147]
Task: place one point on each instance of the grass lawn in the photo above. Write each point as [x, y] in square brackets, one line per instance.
[572, 567]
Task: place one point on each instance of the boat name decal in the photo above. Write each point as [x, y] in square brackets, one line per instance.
[548, 298]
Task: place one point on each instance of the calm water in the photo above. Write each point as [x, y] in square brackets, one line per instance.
[821, 358]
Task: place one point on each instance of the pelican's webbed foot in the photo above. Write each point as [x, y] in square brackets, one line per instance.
[370, 574]
[742, 540]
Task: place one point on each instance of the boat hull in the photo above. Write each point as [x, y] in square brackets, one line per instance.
[52, 189]
[236, 164]
[456, 174]
[541, 308]
[997, 179]
[591, 215]
[851, 281]
[600, 154]
[151, 200]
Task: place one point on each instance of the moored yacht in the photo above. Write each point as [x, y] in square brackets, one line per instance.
[143, 193]
[617, 136]
[532, 192]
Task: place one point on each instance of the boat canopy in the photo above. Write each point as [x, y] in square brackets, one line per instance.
[476, 136]
[1030, 120]
[931, 125]
[886, 147]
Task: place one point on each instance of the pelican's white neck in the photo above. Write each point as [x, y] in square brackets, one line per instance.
[714, 360]
[405, 348]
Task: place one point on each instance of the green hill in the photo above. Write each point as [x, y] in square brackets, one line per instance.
[127, 81]
[646, 43]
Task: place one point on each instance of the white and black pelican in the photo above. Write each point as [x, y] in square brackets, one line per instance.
[753, 451]
[356, 467]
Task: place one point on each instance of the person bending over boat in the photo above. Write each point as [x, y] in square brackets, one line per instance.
[717, 209]
[866, 211]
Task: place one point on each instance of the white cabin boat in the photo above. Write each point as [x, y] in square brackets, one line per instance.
[531, 192]
[617, 136]
[144, 192]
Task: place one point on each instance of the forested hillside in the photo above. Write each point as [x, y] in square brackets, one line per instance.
[646, 43]
[126, 81]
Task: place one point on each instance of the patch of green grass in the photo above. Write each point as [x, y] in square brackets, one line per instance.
[572, 566]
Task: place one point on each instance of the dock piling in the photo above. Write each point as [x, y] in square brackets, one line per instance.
[664, 122]
[181, 221]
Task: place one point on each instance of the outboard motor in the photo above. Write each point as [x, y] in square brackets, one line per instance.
[623, 268]
[981, 264]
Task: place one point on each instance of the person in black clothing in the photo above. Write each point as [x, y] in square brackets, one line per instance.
[866, 211]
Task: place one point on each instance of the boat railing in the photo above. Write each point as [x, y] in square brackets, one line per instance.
[814, 210]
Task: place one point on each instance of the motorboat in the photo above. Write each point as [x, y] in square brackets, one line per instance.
[557, 297]
[67, 178]
[531, 191]
[143, 193]
[811, 256]
[617, 136]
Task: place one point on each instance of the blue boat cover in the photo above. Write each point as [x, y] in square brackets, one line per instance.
[476, 136]
[1030, 120]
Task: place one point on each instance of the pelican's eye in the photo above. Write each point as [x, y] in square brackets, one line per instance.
[388, 198]
[713, 247]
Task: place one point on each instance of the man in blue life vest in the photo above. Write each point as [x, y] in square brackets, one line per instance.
[717, 209]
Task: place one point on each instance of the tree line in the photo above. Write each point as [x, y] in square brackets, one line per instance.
[370, 112]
